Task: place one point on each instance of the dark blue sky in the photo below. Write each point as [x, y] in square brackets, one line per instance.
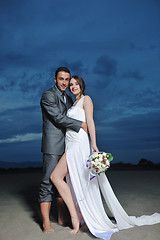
[114, 45]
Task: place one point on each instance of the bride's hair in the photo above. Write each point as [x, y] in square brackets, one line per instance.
[80, 82]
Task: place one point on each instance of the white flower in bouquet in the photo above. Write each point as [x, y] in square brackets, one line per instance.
[99, 162]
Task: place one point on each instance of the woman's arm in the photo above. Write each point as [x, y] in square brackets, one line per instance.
[88, 107]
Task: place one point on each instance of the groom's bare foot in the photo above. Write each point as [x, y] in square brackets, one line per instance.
[60, 221]
[76, 223]
[61, 211]
[83, 227]
[48, 229]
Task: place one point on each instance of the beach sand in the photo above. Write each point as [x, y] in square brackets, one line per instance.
[20, 218]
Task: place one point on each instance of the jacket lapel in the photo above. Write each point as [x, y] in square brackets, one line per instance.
[55, 90]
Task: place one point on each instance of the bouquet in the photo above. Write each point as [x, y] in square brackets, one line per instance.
[99, 162]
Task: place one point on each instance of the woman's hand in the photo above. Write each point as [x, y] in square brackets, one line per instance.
[95, 148]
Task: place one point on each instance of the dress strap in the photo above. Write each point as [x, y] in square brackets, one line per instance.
[80, 102]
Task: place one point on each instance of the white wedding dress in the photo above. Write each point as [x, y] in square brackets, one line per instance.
[86, 192]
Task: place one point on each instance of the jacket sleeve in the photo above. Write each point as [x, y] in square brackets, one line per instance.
[48, 103]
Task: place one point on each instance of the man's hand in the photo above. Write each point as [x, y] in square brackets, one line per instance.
[84, 126]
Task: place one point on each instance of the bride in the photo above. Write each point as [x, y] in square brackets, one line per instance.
[82, 195]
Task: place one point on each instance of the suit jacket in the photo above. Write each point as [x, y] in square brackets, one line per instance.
[55, 121]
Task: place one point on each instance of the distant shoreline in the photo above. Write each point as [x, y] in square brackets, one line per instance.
[113, 167]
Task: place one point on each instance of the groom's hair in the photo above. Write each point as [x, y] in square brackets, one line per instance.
[61, 69]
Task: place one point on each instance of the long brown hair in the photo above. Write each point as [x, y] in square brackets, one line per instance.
[80, 82]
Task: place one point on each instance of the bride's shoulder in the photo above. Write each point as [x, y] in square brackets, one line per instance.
[87, 100]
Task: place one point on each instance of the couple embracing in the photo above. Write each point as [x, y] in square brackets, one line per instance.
[68, 140]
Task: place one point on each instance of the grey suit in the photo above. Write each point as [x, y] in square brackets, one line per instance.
[55, 122]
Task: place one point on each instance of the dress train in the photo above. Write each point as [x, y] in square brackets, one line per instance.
[87, 193]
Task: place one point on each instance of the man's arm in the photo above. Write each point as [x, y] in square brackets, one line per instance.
[84, 126]
[48, 102]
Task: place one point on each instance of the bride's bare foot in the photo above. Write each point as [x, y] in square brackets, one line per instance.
[76, 223]
[48, 229]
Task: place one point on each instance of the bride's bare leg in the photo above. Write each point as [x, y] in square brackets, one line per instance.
[57, 177]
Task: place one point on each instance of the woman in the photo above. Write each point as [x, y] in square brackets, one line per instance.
[82, 195]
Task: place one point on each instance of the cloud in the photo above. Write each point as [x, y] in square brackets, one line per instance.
[9, 81]
[31, 82]
[133, 74]
[76, 67]
[22, 138]
[20, 121]
[26, 86]
[14, 59]
[146, 99]
[105, 65]
[151, 46]
[136, 127]
[131, 138]
[2, 88]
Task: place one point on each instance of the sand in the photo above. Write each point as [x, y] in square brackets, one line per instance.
[20, 218]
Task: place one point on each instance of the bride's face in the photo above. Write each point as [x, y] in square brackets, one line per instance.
[74, 87]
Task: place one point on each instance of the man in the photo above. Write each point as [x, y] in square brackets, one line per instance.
[54, 104]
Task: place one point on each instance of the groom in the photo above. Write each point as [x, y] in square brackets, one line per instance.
[54, 104]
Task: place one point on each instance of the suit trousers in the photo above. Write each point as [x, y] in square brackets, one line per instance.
[47, 189]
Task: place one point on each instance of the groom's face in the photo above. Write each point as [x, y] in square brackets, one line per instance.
[62, 81]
